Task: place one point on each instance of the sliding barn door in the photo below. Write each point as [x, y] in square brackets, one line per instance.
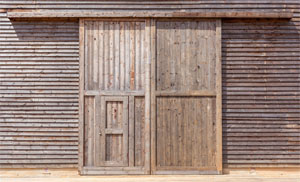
[186, 97]
[114, 55]
[119, 96]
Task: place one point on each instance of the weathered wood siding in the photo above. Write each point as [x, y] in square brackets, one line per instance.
[261, 92]
[38, 93]
[264, 49]
[198, 5]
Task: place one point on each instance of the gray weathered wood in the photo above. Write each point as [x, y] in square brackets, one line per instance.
[149, 14]
[115, 77]
[186, 106]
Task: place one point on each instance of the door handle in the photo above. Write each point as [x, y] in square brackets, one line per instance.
[100, 133]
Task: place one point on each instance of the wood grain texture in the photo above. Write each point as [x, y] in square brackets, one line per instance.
[38, 93]
[259, 68]
[261, 93]
[183, 54]
[177, 8]
[151, 14]
[186, 133]
[186, 86]
[115, 55]
[115, 58]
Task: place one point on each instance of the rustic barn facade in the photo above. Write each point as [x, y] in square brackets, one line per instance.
[49, 110]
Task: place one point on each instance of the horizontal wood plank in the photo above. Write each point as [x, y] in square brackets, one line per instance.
[173, 14]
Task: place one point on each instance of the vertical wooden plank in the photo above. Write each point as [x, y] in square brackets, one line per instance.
[210, 135]
[139, 137]
[166, 62]
[106, 55]
[159, 54]
[184, 106]
[131, 141]
[189, 121]
[98, 147]
[101, 55]
[90, 130]
[102, 131]
[173, 56]
[160, 128]
[180, 132]
[90, 56]
[152, 52]
[111, 83]
[137, 47]
[183, 54]
[143, 55]
[200, 54]
[86, 54]
[195, 143]
[117, 55]
[95, 43]
[173, 133]
[149, 34]
[132, 55]
[188, 59]
[125, 131]
[167, 120]
[115, 148]
[127, 55]
[122, 55]
[81, 96]
[119, 142]
[219, 95]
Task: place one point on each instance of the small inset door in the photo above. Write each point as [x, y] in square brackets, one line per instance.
[112, 132]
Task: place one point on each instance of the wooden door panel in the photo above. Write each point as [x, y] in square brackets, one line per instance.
[114, 64]
[186, 55]
[115, 55]
[113, 131]
[186, 98]
[117, 91]
[186, 132]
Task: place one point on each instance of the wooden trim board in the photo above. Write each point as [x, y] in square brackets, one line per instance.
[81, 98]
[153, 96]
[219, 154]
[146, 14]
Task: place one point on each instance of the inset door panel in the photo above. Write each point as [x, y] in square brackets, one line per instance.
[186, 129]
[115, 55]
[113, 132]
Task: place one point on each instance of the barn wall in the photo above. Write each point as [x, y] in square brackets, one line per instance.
[261, 77]
[261, 93]
[38, 93]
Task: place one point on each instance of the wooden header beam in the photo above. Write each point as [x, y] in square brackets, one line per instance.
[145, 14]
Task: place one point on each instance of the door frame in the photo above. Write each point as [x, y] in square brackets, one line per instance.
[150, 105]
